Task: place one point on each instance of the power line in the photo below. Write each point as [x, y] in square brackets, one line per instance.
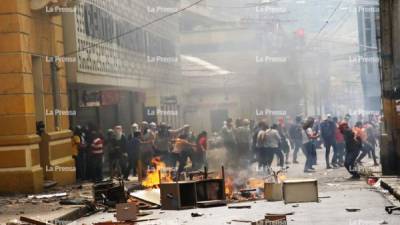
[136, 29]
[326, 22]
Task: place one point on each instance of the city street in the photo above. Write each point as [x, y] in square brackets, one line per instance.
[336, 194]
[188, 112]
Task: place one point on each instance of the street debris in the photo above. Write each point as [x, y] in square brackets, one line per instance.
[300, 190]
[239, 207]
[324, 197]
[31, 221]
[353, 209]
[151, 196]
[242, 221]
[79, 201]
[47, 196]
[49, 184]
[196, 214]
[109, 193]
[390, 209]
[126, 212]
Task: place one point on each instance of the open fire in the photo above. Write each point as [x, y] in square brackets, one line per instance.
[159, 173]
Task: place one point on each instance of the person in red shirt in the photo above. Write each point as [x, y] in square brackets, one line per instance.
[199, 155]
[338, 157]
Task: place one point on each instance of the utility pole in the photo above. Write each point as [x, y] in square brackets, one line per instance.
[390, 91]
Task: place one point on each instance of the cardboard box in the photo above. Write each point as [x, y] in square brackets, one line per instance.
[300, 190]
[273, 191]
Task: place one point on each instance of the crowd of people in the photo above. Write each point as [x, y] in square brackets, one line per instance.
[244, 141]
[132, 154]
[345, 145]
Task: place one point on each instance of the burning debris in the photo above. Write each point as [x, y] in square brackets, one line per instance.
[157, 174]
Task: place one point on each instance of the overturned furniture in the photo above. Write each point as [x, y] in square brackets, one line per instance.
[211, 192]
[191, 194]
[300, 190]
[178, 195]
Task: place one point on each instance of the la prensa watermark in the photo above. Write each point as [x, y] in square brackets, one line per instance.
[271, 59]
[60, 9]
[59, 112]
[363, 59]
[160, 9]
[162, 59]
[58, 59]
[60, 168]
[272, 10]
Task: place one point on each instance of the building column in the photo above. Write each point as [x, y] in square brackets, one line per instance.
[26, 95]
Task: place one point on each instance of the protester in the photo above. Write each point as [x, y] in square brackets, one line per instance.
[328, 128]
[163, 143]
[133, 151]
[283, 133]
[146, 152]
[118, 153]
[273, 143]
[230, 143]
[96, 154]
[254, 147]
[199, 155]
[263, 155]
[353, 147]
[242, 135]
[309, 136]
[295, 134]
[79, 152]
[369, 143]
[181, 152]
[338, 156]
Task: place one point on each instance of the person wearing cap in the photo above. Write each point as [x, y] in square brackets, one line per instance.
[328, 131]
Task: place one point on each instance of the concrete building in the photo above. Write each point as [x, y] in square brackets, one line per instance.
[35, 142]
[368, 27]
[253, 50]
[127, 79]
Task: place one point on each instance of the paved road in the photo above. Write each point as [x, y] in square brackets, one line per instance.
[333, 184]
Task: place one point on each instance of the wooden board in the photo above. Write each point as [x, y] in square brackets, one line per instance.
[151, 196]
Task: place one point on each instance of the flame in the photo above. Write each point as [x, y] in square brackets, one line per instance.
[255, 183]
[281, 178]
[153, 175]
[229, 186]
